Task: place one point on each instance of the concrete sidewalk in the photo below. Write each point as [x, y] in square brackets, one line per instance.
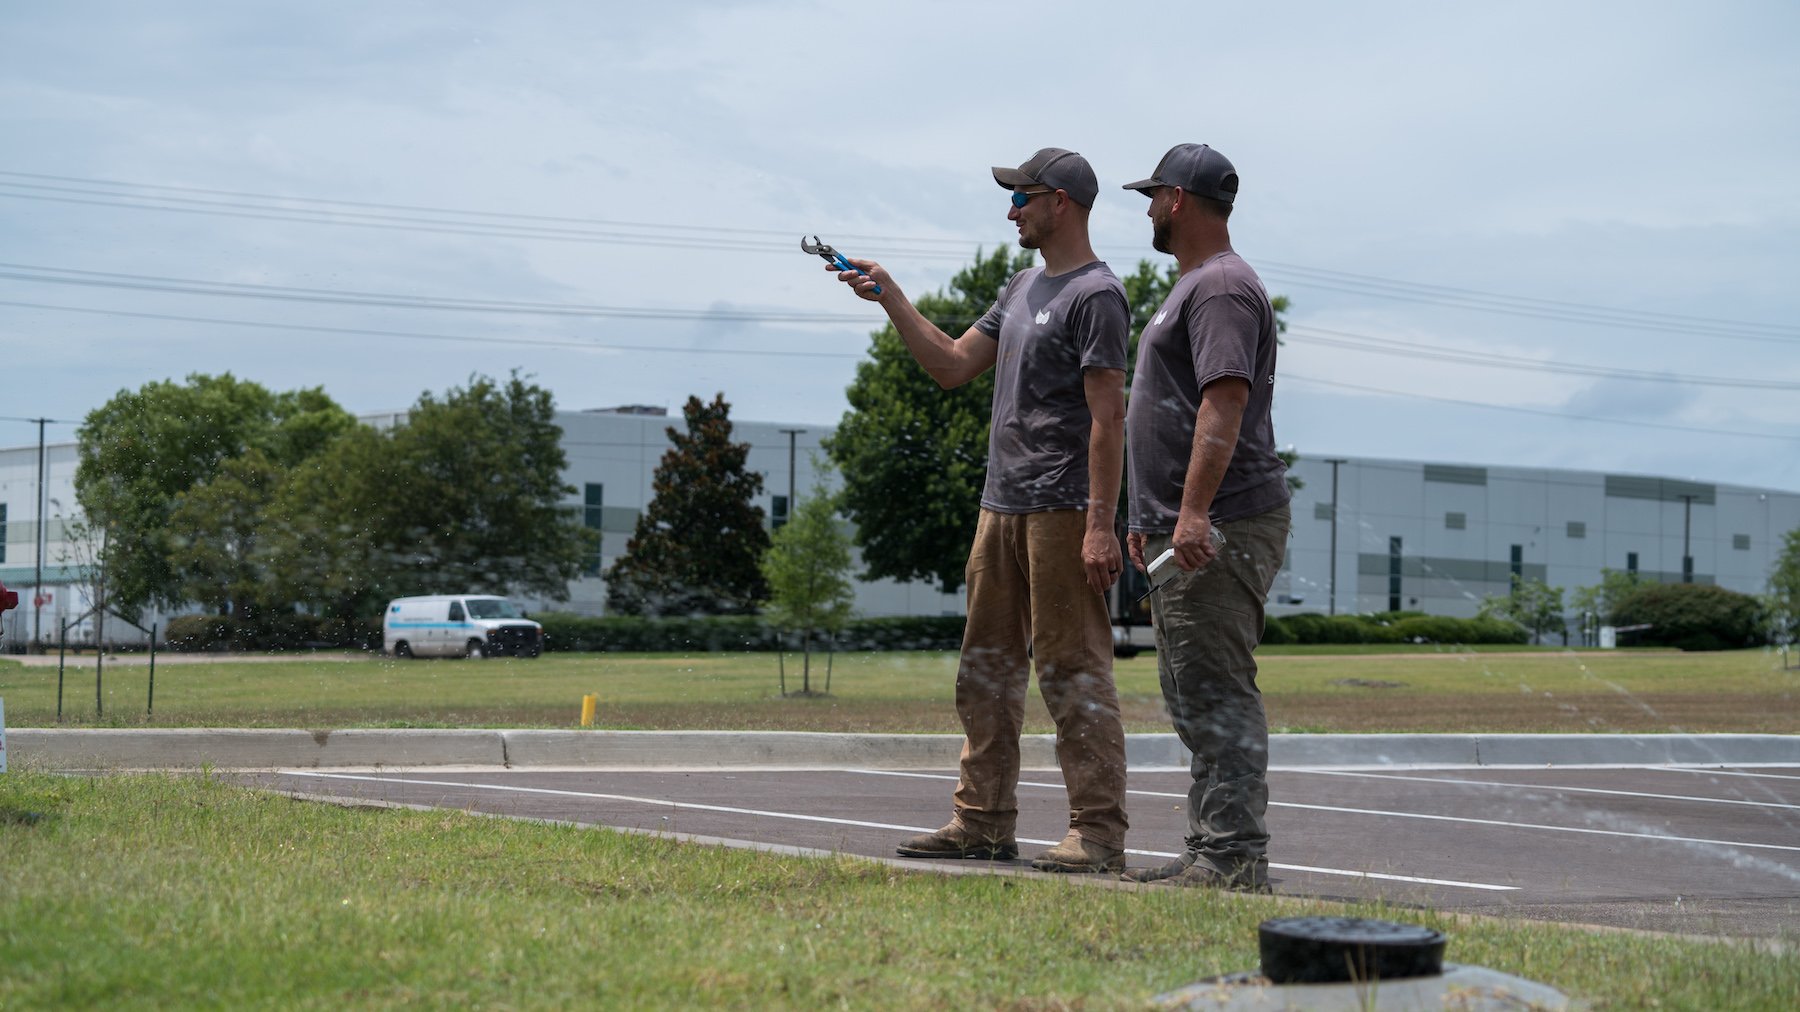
[277, 748]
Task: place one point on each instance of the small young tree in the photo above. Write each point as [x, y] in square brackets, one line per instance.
[1784, 590]
[697, 546]
[1532, 604]
[808, 569]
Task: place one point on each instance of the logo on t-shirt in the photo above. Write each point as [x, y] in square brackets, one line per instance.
[1159, 318]
[1043, 317]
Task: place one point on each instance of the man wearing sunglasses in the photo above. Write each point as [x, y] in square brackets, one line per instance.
[1044, 553]
[1203, 454]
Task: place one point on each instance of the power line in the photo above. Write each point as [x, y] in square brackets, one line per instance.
[1408, 349]
[1641, 314]
[254, 212]
[424, 336]
[189, 286]
[1538, 411]
[683, 236]
[233, 289]
[1720, 331]
[708, 230]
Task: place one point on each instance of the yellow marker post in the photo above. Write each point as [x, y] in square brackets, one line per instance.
[587, 709]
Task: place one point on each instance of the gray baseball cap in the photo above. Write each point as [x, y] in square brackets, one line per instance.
[1057, 168]
[1195, 168]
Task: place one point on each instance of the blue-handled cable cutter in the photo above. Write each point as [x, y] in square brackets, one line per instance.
[833, 257]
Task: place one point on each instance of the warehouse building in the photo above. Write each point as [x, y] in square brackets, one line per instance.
[1369, 534]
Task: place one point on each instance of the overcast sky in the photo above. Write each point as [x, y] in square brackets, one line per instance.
[1583, 191]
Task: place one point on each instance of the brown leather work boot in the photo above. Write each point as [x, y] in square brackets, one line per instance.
[955, 841]
[1080, 856]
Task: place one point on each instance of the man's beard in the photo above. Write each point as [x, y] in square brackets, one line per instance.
[1029, 239]
[1159, 235]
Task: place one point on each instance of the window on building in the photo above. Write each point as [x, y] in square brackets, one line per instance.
[1518, 562]
[1577, 529]
[1321, 511]
[778, 511]
[1740, 542]
[1456, 521]
[593, 515]
[2, 532]
[1393, 574]
[1631, 562]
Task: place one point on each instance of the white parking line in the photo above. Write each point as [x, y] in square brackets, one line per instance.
[1410, 815]
[1543, 787]
[1724, 773]
[842, 822]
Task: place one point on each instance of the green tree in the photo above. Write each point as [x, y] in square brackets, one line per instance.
[913, 455]
[1532, 604]
[143, 449]
[1784, 588]
[474, 498]
[1594, 605]
[808, 569]
[216, 546]
[325, 538]
[697, 545]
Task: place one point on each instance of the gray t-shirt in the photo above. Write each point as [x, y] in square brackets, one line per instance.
[1217, 322]
[1050, 330]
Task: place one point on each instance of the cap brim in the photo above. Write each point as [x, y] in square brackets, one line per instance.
[1009, 178]
[1144, 184]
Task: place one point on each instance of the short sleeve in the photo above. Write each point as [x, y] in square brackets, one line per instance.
[1101, 325]
[1224, 331]
[991, 320]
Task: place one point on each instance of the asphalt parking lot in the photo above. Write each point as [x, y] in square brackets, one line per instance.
[1713, 851]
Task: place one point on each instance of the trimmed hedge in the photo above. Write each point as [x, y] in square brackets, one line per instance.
[1388, 627]
[1692, 616]
[706, 634]
[212, 633]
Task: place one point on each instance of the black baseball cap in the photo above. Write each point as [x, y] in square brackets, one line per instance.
[1195, 168]
[1057, 168]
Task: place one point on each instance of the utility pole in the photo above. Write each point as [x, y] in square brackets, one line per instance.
[790, 433]
[40, 544]
[1687, 560]
[1331, 606]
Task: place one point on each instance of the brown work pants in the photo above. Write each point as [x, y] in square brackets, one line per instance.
[1029, 598]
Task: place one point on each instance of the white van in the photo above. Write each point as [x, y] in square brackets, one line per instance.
[458, 625]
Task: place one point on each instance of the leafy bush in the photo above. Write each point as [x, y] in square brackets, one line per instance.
[1389, 627]
[200, 633]
[706, 634]
[279, 631]
[1447, 630]
[1692, 616]
[1276, 632]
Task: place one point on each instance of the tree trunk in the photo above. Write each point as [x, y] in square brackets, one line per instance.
[806, 662]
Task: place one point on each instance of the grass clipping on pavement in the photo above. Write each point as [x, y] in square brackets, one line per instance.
[154, 890]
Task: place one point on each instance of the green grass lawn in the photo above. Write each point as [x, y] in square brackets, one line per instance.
[165, 891]
[1307, 689]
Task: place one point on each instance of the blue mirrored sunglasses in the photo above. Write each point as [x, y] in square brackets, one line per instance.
[1021, 199]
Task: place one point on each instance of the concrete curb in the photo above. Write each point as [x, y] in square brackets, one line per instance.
[278, 748]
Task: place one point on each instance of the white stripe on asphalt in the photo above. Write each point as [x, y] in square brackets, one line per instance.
[1410, 815]
[844, 822]
[1541, 787]
[1724, 773]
